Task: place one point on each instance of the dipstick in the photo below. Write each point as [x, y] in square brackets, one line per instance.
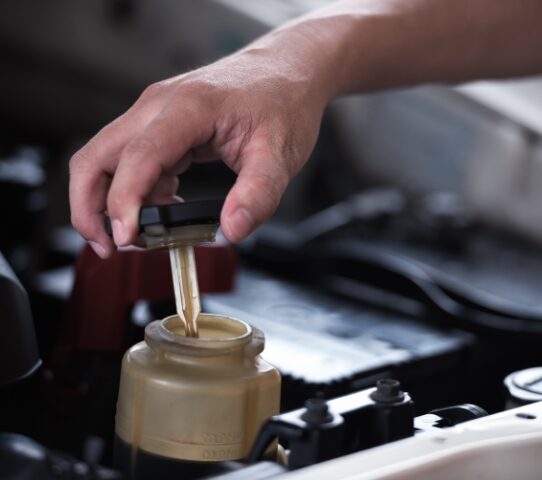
[185, 285]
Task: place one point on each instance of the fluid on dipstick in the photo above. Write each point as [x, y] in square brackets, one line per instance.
[185, 285]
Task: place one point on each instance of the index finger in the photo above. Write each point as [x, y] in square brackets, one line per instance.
[90, 176]
[88, 192]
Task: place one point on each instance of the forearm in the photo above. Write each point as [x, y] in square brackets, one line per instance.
[259, 109]
[365, 45]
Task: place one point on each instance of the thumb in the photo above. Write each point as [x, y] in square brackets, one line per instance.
[254, 197]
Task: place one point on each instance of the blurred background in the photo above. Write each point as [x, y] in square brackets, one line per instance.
[448, 177]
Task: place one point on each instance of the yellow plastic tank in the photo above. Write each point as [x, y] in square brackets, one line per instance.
[186, 404]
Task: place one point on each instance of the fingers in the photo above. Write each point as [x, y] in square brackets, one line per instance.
[255, 195]
[87, 197]
[90, 170]
[144, 160]
[88, 190]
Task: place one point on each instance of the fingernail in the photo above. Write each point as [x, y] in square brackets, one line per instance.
[240, 224]
[98, 249]
[119, 232]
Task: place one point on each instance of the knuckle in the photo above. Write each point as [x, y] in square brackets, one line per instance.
[140, 146]
[81, 226]
[153, 90]
[78, 159]
[114, 201]
[119, 200]
[199, 93]
[196, 83]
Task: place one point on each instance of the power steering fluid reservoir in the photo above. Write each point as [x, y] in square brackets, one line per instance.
[195, 392]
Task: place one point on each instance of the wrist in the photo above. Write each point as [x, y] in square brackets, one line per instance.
[311, 51]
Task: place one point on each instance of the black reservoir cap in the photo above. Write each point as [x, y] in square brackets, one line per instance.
[200, 212]
[179, 214]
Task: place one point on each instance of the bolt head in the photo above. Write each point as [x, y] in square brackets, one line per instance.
[317, 412]
[388, 390]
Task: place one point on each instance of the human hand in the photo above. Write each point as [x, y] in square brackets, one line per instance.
[259, 110]
[256, 111]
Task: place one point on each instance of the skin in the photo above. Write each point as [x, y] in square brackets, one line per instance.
[259, 110]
